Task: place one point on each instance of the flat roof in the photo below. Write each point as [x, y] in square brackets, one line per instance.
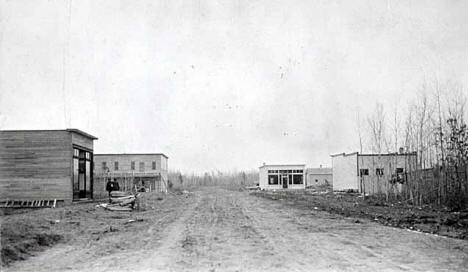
[380, 154]
[42, 130]
[281, 165]
[344, 154]
[132, 154]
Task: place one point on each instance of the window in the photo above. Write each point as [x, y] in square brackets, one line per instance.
[142, 166]
[364, 172]
[400, 170]
[273, 180]
[316, 181]
[104, 165]
[379, 172]
[116, 165]
[88, 156]
[297, 179]
[132, 166]
[154, 165]
[76, 152]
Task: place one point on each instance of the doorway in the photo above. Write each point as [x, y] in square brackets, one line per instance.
[82, 174]
[284, 180]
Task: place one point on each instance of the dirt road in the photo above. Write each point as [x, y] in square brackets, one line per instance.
[220, 230]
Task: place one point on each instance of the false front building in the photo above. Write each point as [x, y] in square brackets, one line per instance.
[287, 176]
[371, 173]
[147, 171]
[46, 165]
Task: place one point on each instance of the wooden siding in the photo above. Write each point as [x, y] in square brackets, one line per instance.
[35, 165]
[78, 139]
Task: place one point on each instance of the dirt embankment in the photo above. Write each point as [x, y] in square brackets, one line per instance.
[25, 232]
[402, 215]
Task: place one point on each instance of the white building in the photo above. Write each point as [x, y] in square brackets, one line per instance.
[319, 177]
[284, 176]
[370, 173]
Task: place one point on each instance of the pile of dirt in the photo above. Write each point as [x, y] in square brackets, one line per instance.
[19, 240]
[428, 219]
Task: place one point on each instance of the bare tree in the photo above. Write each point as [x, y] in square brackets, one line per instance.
[376, 122]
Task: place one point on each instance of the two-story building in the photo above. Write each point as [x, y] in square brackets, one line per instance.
[147, 170]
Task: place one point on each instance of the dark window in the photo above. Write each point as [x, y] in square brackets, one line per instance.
[316, 180]
[132, 166]
[297, 179]
[154, 165]
[104, 165]
[379, 172]
[364, 172]
[400, 170]
[273, 179]
[142, 167]
[116, 165]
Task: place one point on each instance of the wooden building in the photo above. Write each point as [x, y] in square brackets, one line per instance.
[148, 170]
[284, 176]
[371, 173]
[46, 165]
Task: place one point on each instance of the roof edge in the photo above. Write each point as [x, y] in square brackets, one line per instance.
[282, 165]
[131, 154]
[344, 154]
[75, 130]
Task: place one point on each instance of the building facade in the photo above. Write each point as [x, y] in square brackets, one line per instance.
[316, 177]
[147, 170]
[46, 165]
[286, 176]
[371, 173]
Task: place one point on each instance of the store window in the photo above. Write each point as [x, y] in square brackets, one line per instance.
[273, 180]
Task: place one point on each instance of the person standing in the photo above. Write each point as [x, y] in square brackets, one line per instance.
[112, 186]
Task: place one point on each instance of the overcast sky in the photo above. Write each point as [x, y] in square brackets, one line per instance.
[222, 84]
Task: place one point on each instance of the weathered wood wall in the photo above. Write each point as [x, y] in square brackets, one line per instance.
[81, 140]
[35, 165]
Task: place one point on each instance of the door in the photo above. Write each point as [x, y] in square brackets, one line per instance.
[82, 177]
[82, 174]
[284, 180]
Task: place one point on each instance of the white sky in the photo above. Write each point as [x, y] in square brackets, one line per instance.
[222, 84]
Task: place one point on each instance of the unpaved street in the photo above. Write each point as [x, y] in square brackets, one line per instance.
[221, 230]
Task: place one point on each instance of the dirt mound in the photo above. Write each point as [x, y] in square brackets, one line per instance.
[21, 240]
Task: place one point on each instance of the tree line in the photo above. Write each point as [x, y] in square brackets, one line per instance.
[432, 124]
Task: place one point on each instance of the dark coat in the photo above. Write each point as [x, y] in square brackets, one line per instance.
[112, 186]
